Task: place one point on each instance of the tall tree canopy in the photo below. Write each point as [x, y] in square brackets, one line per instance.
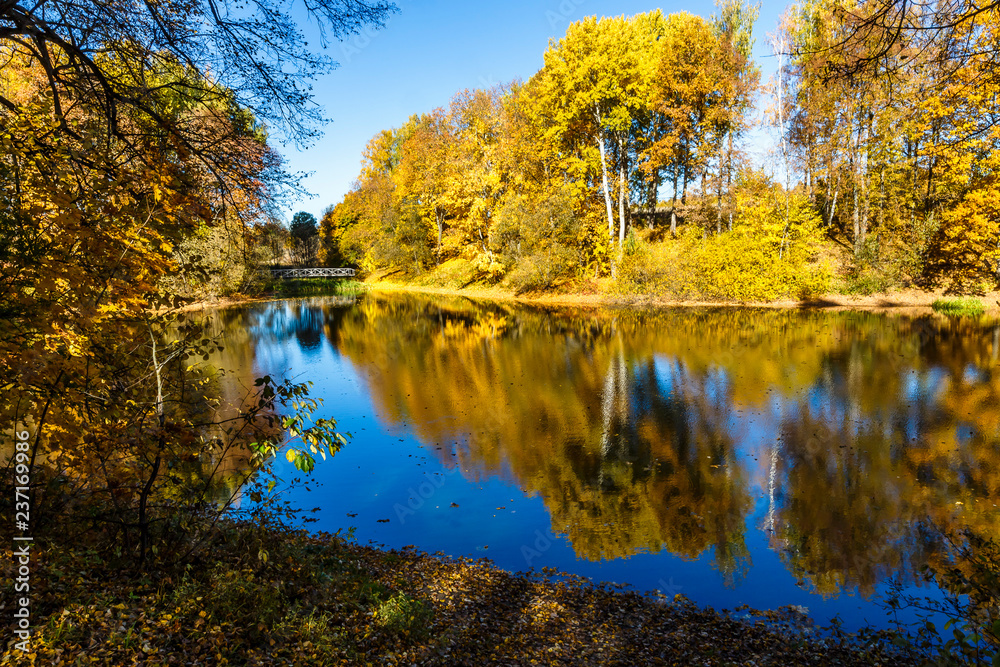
[134, 171]
[895, 124]
[303, 225]
[114, 52]
[544, 178]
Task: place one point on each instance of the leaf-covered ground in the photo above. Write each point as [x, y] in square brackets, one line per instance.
[317, 600]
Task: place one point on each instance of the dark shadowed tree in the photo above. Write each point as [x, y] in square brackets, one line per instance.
[304, 226]
[305, 238]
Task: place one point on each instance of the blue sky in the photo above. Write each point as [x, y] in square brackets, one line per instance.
[430, 51]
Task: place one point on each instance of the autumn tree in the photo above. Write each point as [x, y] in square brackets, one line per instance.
[894, 127]
[739, 81]
[426, 170]
[684, 91]
[535, 182]
[128, 131]
[593, 88]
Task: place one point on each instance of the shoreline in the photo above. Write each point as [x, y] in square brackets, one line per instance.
[357, 604]
[906, 302]
[901, 301]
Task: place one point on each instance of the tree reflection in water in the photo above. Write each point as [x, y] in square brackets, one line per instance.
[648, 431]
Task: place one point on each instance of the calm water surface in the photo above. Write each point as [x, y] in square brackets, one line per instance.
[735, 456]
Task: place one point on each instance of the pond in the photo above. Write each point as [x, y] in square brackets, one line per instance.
[736, 456]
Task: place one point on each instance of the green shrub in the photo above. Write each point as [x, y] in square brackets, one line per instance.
[316, 287]
[655, 269]
[879, 267]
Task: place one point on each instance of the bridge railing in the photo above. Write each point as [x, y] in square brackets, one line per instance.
[313, 273]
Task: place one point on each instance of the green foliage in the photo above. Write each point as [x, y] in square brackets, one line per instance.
[882, 263]
[227, 593]
[970, 578]
[304, 237]
[655, 269]
[271, 241]
[412, 239]
[866, 281]
[633, 244]
[315, 287]
[404, 614]
[528, 233]
[966, 306]
[335, 223]
[221, 260]
[314, 437]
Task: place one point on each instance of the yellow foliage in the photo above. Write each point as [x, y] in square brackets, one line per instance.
[769, 254]
[967, 251]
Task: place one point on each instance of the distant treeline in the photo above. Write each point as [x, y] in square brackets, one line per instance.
[887, 136]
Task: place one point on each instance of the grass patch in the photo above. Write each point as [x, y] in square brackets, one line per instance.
[968, 306]
[401, 613]
[316, 287]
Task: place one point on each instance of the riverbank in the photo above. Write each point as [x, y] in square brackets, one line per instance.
[347, 289]
[318, 599]
[912, 300]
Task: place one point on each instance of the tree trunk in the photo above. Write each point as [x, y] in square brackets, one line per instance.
[651, 200]
[440, 226]
[147, 488]
[704, 190]
[607, 191]
[856, 219]
[622, 192]
[673, 209]
[718, 191]
[729, 180]
[833, 203]
[684, 186]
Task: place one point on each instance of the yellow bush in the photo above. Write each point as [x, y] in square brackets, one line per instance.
[965, 255]
[655, 269]
[770, 254]
[766, 256]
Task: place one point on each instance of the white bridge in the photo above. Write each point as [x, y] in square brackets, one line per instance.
[313, 273]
